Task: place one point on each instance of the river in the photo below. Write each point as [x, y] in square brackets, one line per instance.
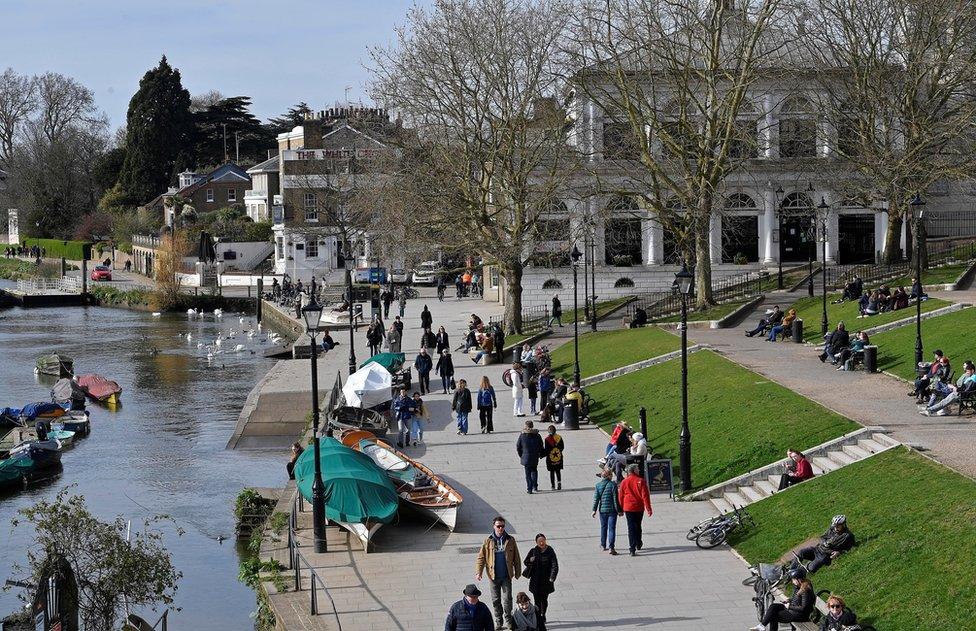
[162, 452]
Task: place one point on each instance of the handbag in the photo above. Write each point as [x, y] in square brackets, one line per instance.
[453, 385]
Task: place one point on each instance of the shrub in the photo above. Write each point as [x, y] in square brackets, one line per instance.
[623, 260]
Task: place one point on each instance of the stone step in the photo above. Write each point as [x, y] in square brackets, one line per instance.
[736, 499]
[721, 505]
[840, 457]
[774, 480]
[884, 440]
[826, 465]
[750, 494]
[869, 445]
[764, 487]
[856, 452]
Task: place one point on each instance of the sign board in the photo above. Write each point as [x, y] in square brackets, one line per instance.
[659, 476]
[13, 227]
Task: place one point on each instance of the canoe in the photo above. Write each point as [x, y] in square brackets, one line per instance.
[418, 487]
[346, 417]
[56, 364]
[100, 389]
[359, 495]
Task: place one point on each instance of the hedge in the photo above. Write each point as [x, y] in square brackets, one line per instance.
[54, 248]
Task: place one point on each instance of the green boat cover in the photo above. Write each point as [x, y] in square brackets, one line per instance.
[356, 490]
[14, 469]
[391, 361]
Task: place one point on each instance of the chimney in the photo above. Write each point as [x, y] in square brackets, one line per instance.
[312, 133]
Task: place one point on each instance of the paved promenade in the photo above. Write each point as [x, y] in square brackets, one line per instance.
[415, 572]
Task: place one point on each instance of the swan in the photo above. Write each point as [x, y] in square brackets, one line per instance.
[218, 313]
[238, 348]
[156, 314]
[191, 312]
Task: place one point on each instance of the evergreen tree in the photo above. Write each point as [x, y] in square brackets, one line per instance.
[233, 116]
[159, 134]
[290, 119]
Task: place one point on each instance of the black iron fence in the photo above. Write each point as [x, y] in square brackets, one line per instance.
[660, 305]
[534, 319]
[940, 252]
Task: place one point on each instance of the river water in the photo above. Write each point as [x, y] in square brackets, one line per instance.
[162, 452]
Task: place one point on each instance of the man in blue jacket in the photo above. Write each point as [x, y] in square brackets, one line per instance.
[469, 613]
[424, 364]
[530, 448]
[403, 410]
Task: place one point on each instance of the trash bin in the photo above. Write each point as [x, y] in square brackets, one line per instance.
[570, 417]
[871, 358]
[798, 331]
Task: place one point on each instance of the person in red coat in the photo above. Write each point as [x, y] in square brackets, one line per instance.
[798, 469]
[634, 498]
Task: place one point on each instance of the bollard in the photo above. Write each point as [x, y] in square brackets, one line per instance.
[798, 331]
[643, 421]
[259, 306]
[64, 267]
[84, 277]
[871, 358]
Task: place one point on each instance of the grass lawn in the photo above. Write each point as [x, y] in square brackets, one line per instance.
[912, 519]
[602, 308]
[739, 420]
[606, 350]
[954, 333]
[717, 312]
[810, 311]
[935, 276]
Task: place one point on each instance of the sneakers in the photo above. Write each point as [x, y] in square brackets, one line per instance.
[601, 461]
[758, 627]
[559, 487]
[612, 552]
[823, 357]
[632, 553]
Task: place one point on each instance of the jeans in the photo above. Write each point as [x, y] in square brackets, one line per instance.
[777, 613]
[417, 427]
[446, 382]
[634, 538]
[424, 378]
[608, 530]
[462, 422]
[815, 556]
[501, 600]
[484, 415]
[774, 332]
[531, 477]
[558, 319]
[403, 435]
[555, 475]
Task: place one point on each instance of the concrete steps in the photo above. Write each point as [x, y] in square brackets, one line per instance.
[764, 482]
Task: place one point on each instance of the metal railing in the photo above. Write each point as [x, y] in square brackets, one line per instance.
[664, 304]
[296, 560]
[534, 319]
[940, 252]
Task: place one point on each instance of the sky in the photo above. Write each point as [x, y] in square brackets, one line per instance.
[278, 52]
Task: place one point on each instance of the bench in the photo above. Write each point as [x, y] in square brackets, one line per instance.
[966, 401]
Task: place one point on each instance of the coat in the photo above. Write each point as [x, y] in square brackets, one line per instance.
[541, 569]
[427, 340]
[443, 342]
[486, 558]
[426, 320]
[423, 363]
[529, 447]
[516, 382]
[486, 399]
[633, 495]
[557, 308]
[462, 400]
[458, 618]
[445, 366]
[554, 452]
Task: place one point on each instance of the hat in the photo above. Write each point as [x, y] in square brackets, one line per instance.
[471, 590]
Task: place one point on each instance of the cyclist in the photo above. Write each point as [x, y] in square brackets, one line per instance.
[838, 617]
[837, 540]
[796, 609]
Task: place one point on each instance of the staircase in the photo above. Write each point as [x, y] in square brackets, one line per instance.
[256, 258]
[830, 456]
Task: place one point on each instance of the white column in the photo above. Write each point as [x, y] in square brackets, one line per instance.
[833, 229]
[880, 230]
[767, 223]
[771, 135]
[715, 238]
[656, 244]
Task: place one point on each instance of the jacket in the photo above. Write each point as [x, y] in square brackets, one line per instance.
[486, 398]
[458, 618]
[802, 601]
[830, 623]
[530, 447]
[517, 382]
[427, 339]
[486, 557]
[462, 400]
[541, 569]
[839, 339]
[546, 384]
[525, 620]
[426, 319]
[443, 341]
[403, 408]
[633, 495]
[445, 366]
[833, 541]
[423, 363]
[605, 497]
[557, 308]
[804, 470]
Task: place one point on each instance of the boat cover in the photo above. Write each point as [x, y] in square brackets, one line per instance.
[356, 490]
[391, 361]
[33, 410]
[67, 390]
[98, 387]
[13, 469]
[368, 386]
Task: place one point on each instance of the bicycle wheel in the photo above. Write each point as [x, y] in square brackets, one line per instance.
[760, 599]
[711, 537]
[702, 525]
[751, 581]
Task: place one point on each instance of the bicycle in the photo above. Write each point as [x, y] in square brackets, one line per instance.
[717, 533]
[765, 578]
[410, 293]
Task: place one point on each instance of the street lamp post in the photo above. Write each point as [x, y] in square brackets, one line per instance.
[683, 280]
[592, 234]
[918, 212]
[349, 263]
[575, 255]
[312, 312]
[824, 209]
[779, 229]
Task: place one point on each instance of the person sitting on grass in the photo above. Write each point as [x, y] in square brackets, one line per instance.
[950, 394]
[798, 469]
[838, 617]
[848, 356]
[772, 318]
[851, 292]
[900, 299]
[837, 540]
[917, 291]
[835, 342]
[884, 298]
[938, 370]
[787, 323]
[869, 304]
[798, 608]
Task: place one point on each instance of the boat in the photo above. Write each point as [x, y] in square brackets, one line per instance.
[359, 495]
[100, 389]
[56, 364]
[345, 417]
[45, 453]
[14, 472]
[77, 421]
[20, 435]
[418, 487]
[68, 394]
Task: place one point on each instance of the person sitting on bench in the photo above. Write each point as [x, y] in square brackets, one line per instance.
[848, 356]
[786, 324]
[838, 616]
[640, 318]
[835, 342]
[964, 385]
[837, 540]
[938, 370]
[798, 469]
[772, 318]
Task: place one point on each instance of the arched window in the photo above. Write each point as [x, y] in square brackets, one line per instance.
[798, 203]
[797, 128]
[623, 282]
[740, 201]
[552, 283]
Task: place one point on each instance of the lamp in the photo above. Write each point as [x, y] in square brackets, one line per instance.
[779, 192]
[918, 211]
[683, 281]
[575, 257]
[823, 209]
[312, 312]
[349, 263]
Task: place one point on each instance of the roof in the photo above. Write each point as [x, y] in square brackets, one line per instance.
[268, 166]
[223, 173]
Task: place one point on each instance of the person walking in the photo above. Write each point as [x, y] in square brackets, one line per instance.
[532, 383]
[606, 503]
[403, 302]
[634, 498]
[487, 402]
[557, 312]
[461, 405]
[517, 388]
[469, 613]
[442, 340]
[387, 298]
[541, 568]
[374, 336]
[426, 319]
[424, 363]
[393, 339]
[499, 556]
[441, 286]
[554, 458]
[530, 449]
[427, 340]
[420, 416]
[403, 410]
[445, 368]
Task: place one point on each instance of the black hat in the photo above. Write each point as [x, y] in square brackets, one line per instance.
[471, 590]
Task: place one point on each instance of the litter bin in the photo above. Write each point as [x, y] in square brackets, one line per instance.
[871, 358]
[798, 331]
[570, 417]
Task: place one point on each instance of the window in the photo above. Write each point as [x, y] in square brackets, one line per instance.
[619, 142]
[848, 137]
[623, 242]
[311, 207]
[679, 139]
[798, 138]
[745, 142]
[210, 195]
[232, 194]
[312, 249]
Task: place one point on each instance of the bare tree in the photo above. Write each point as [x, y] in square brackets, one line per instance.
[477, 81]
[673, 81]
[898, 86]
[63, 103]
[200, 102]
[18, 98]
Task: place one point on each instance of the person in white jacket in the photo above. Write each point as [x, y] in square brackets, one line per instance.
[517, 389]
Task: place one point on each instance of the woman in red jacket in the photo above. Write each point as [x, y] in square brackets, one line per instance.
[634, 499]
[798, 469]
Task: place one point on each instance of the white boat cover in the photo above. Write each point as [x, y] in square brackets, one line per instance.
[370, 385]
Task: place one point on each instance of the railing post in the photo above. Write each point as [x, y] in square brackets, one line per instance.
[298, 572]
[315, 601]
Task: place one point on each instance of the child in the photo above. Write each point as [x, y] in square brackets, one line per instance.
[422, 415]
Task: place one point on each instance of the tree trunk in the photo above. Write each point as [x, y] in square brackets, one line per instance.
[892, 251]
[512, 272]
[703, 255]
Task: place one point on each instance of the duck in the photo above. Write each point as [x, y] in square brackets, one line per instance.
[218, 313]
[156, 314]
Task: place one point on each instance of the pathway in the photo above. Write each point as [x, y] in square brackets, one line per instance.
[416, 572]
[869, 399]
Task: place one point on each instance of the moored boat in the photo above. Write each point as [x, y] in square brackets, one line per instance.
[100, 389]
[55, 364]
[345, 417]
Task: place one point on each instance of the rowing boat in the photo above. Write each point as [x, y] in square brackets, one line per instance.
[56, 364]
[100, 389]
[418, 487]
[346, 417]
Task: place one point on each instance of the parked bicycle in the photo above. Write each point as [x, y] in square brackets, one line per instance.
[765, 578]
[718, 531]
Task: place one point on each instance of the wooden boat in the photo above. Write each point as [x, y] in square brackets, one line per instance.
[345, 417]
[418, 487]
[55, 364]
[100, 389]
[20, 435]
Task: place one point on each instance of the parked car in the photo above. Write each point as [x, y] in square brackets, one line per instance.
[400, 276]
[426, 273]
[101, 272]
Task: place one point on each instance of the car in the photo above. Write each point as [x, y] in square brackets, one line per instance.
[400, 276]
[427, 273]
[101, 272]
